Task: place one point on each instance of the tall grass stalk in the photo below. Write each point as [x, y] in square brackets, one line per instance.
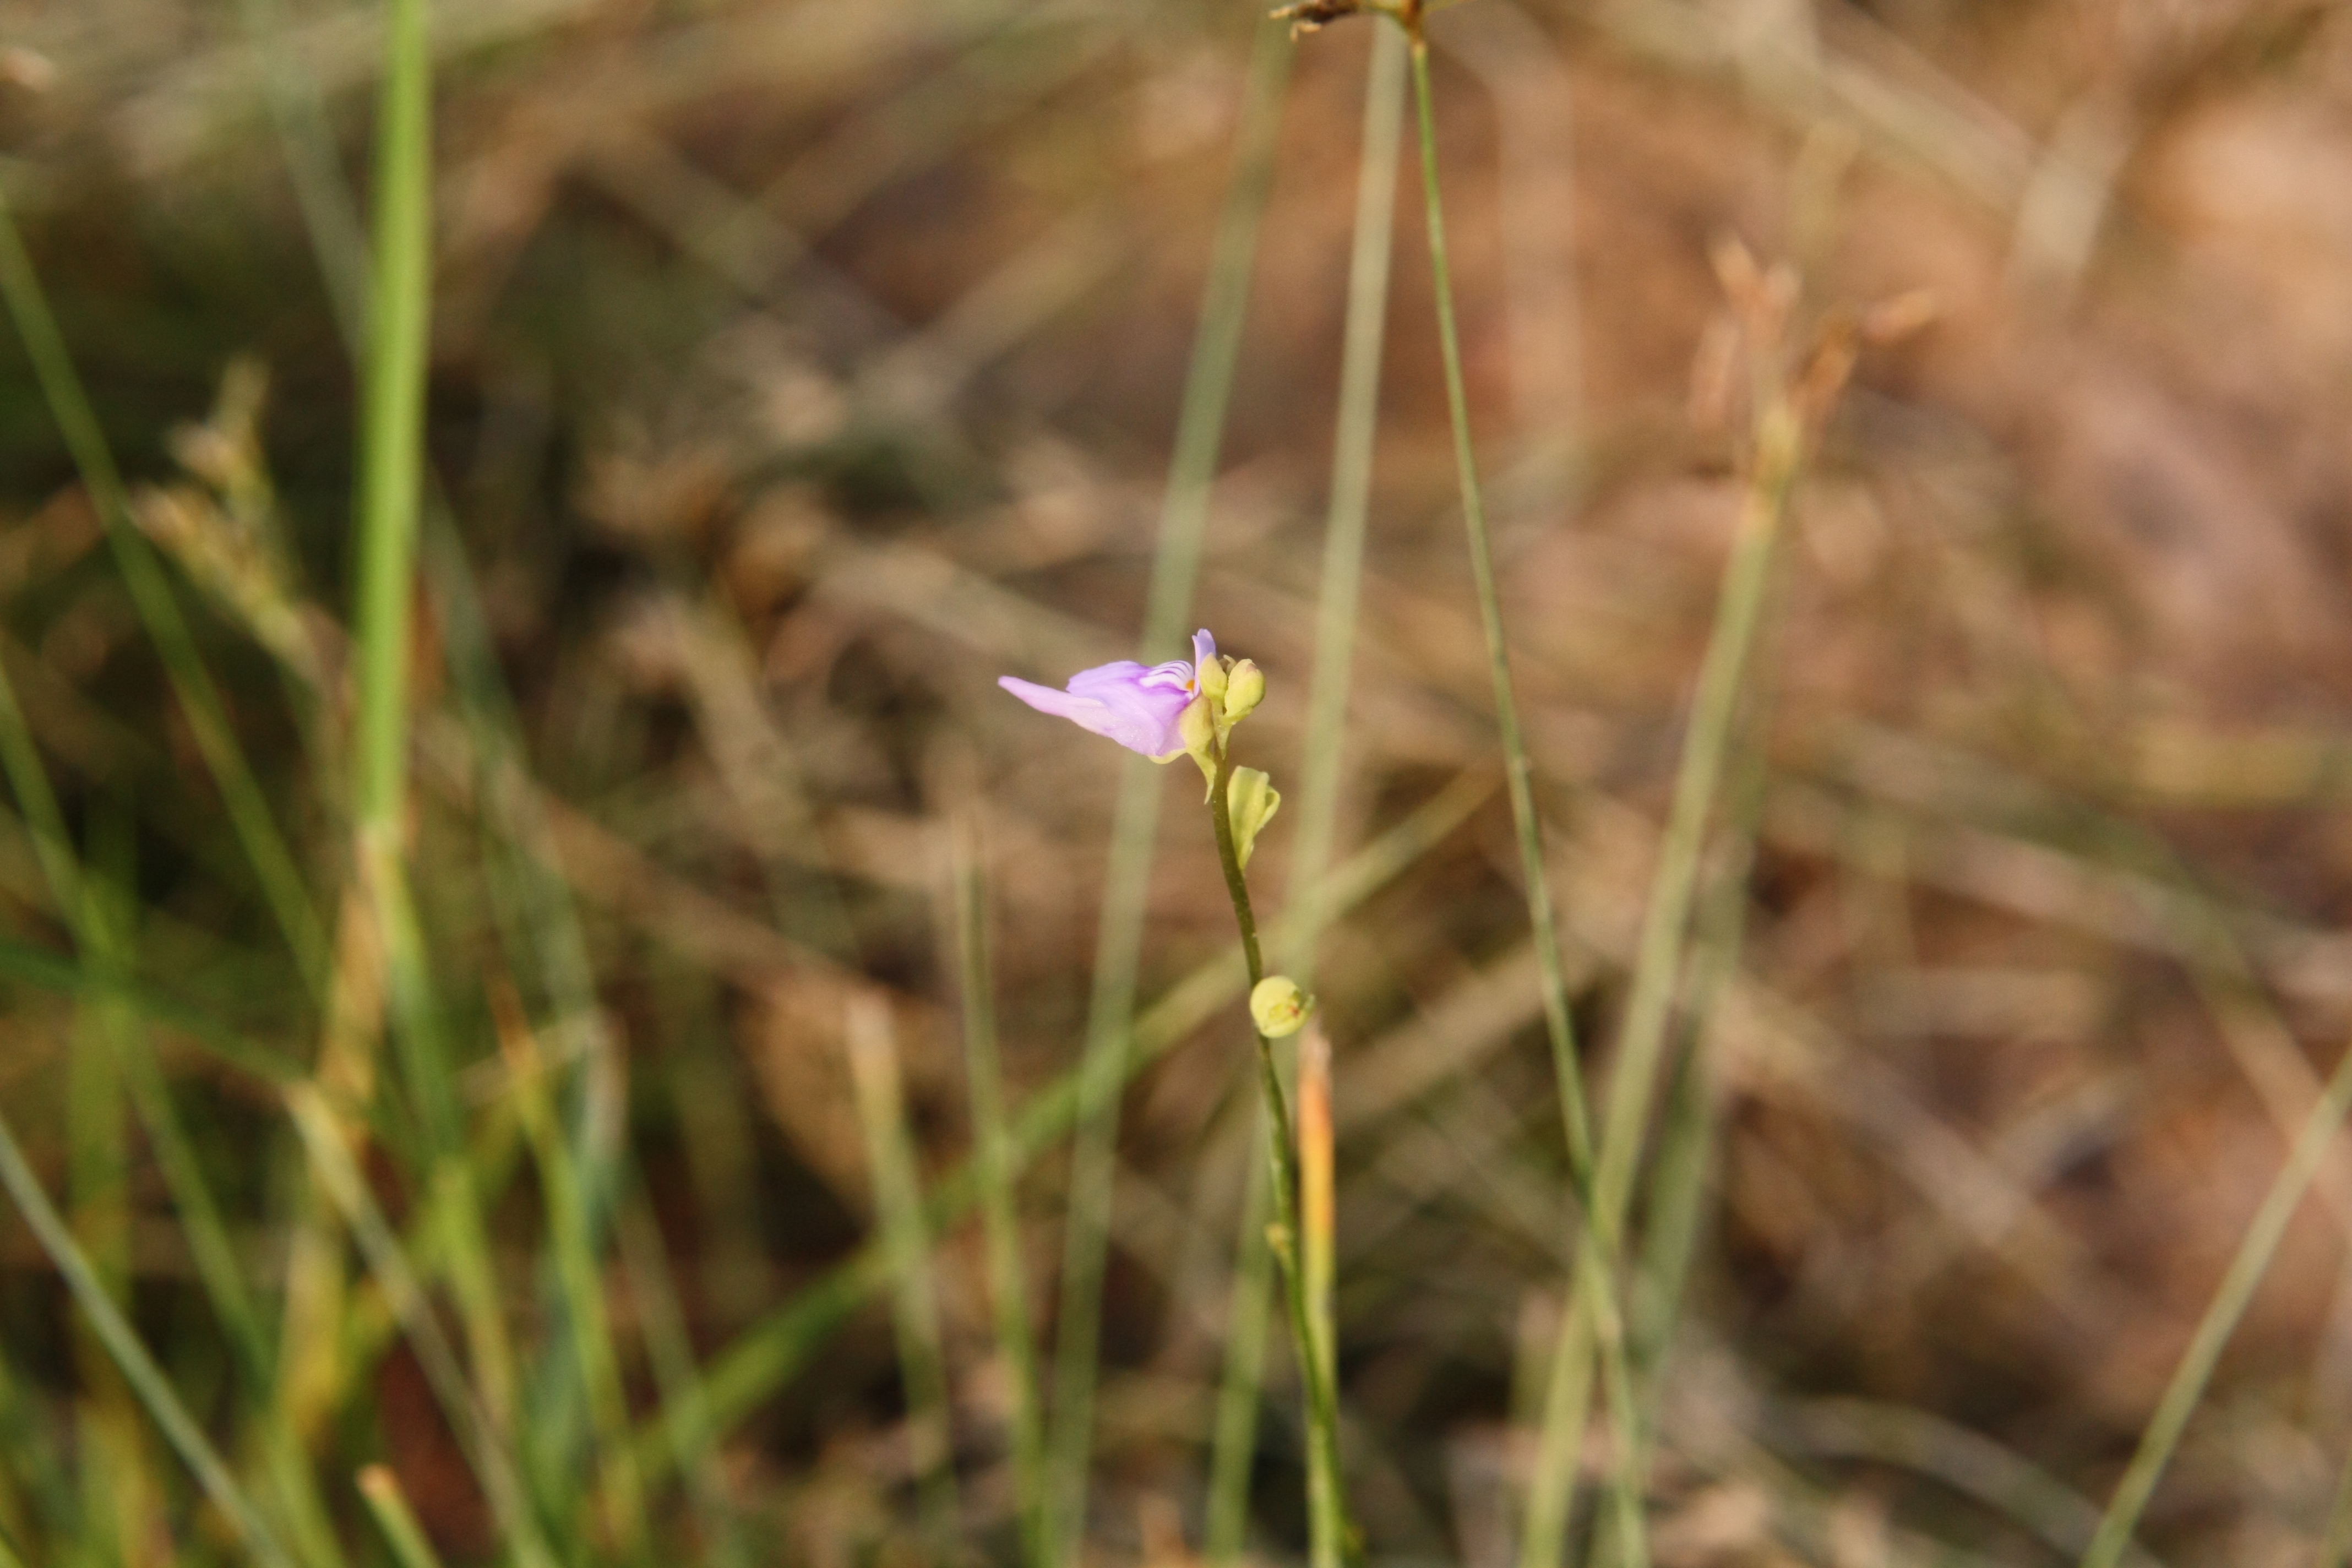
[391, 489]
[1596, 1294]
[129, 1355]
[1657, 965]
[992, 1166]
[478, 1435]
[906, 1243]
[669, 1350]
[274, 868]
[1324, 751]
[1176, 564]
[2231, 1297]
[586, 1322]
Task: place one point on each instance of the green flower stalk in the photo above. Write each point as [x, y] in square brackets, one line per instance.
[1190, 708]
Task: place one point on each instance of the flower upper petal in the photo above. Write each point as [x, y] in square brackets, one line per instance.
[1205, 648]
[1123, 702]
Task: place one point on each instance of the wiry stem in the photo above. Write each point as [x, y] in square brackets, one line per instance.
[1327, 1503]
[1595, 1268]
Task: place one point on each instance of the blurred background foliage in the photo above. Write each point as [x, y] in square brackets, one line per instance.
[797, 369]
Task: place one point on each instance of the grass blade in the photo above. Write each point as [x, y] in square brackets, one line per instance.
[992, 1167]
[2264, 1233]
[1595, 1306]
[138, 1368]
[906, 1243]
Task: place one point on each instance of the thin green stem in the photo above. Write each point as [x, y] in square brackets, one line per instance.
[1327, 1501]
[1183, 527]
[2229, 1304]
[392, 429]
[139, 1369]
[906, 1243]
[1595, 1308]
[1519, 771]
[339, 1175]
[1657, 963]
[993, 1165]
[1234, 1448]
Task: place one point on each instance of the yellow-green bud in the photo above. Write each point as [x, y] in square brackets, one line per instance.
[1278, 1006]
[1210, 678]
[1245, 690]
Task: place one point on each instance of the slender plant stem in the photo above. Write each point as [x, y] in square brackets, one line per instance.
[993, 1165]
[392, 430]
[139, 1369]
[339, 1176]
[2245, 1275]
[1518, 770]
[1183, 525]
[907, 1241]
[1595, 1267]
[1328, 1515]
[1657, 961]
[1235, 1446]
[273, 866]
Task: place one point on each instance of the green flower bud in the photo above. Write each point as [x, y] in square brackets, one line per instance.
[1278, 1006]
[1209, 680]
[1245, 690]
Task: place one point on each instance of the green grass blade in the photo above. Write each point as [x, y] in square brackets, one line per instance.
[580, 1283]
[2231, 1297]
[686, 1407]
[905, 1237]
[1595, 1308]
[392, 428]
[1249, 1317]
[139, 1369]
[992, 1166]
[1176, 564]
[339, 1176]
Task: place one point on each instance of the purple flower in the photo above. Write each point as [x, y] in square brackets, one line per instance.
[1134, 706]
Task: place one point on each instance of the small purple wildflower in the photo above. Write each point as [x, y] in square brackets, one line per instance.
[1137, 707]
